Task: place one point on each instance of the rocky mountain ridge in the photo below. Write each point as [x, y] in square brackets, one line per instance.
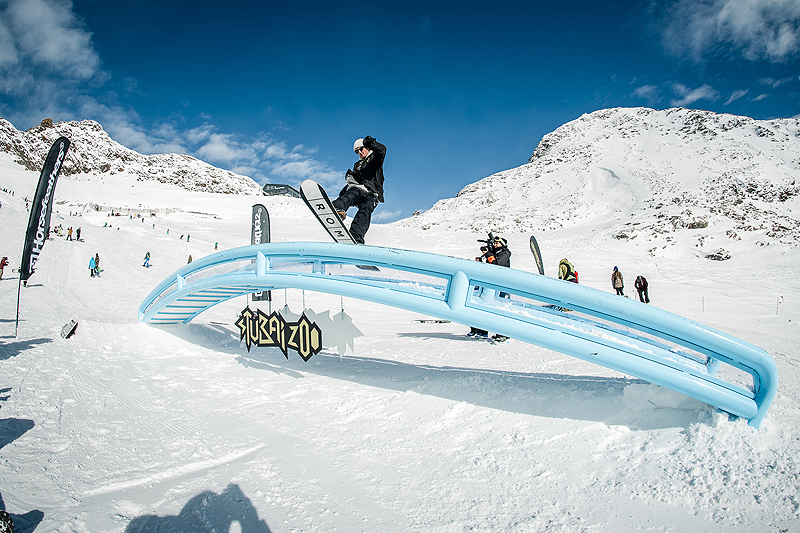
[640, 171]
[94, 152]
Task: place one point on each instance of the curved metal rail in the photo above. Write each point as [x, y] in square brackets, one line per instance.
[618, 333]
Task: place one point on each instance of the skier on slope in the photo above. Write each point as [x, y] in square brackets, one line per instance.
[3, 264]
[92, 267]
[364, 186]
[147, 260]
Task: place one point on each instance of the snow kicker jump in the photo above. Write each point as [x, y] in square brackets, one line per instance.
[617, 333]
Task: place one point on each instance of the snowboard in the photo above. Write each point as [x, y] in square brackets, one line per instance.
[69, 329]
[537, 255]
[317, 200]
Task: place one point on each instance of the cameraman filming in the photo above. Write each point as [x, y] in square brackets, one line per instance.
[495, 251]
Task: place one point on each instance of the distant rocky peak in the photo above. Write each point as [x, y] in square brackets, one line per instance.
[93, 152]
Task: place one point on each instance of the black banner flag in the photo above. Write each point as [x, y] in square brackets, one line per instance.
[259, 234]
[42, 207]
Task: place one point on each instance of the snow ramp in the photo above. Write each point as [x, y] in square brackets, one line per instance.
[618, 333]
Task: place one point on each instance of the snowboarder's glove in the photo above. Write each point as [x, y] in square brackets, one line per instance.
[368, 141]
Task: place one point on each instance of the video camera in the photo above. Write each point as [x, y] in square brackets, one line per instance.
[488, 243]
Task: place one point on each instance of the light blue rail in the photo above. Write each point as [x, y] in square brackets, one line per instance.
[617, 333]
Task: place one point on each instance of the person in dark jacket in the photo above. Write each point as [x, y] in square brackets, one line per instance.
[496, 254]
[641, 288]
[364, 186]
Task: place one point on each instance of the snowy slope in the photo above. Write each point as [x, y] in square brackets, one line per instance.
[642, 173]
[127, 427]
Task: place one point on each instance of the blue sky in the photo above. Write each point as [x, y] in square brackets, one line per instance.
[455, 90]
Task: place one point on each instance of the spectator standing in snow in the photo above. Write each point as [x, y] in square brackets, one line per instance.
[92, 267]
[567, 272]
[78, 234]
[97, 264]
[146, 260]
[616, 281]
[495, 252]
[69, 233]
[3, 263]
[364, 186]
[190, 259]
[641, 288]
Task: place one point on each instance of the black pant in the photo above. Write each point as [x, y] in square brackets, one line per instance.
[643, 296]
[366, 204]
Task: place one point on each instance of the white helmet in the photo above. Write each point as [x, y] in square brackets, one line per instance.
[358, 144]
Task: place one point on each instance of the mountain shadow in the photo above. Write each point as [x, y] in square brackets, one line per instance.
[206, 512]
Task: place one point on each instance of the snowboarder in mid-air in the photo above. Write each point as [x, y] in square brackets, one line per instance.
[364, 186]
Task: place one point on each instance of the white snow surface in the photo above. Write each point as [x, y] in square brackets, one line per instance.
[129, 427]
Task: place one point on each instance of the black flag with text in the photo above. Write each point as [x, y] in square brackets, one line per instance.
[259, 234]
[42, 207]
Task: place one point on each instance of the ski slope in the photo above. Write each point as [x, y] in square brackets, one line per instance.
[129, 427]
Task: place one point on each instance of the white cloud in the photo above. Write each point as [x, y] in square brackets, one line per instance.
[649, 93]
[49, 68]
[46, 35]
[772, 82]
[690, 96]
[736, 95]
[760, 97]
[387, 216]
[758, 29]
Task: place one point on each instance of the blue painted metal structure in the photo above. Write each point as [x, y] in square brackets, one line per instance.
[618, 333]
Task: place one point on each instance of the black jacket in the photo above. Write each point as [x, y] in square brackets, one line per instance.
[369, 171]
[502, 256]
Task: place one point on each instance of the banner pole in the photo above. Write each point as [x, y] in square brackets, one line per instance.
[19, 291]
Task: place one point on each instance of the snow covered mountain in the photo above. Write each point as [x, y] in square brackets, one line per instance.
[93, 152]
[641, 173]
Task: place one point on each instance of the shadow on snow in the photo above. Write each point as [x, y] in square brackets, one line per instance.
[12, 349]
[207, 511]
[561, 396]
